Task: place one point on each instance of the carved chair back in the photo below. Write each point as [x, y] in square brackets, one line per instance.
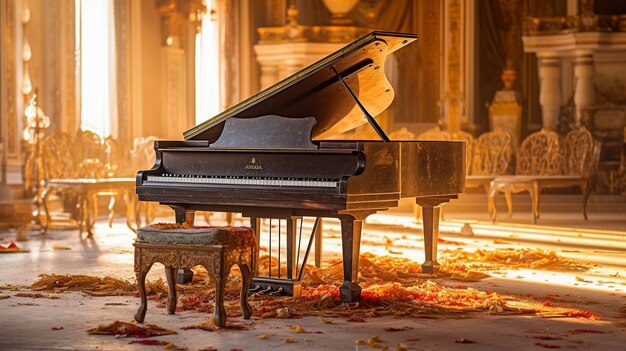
[492, 153]
[88, 145]
[540, 154]
[114, 163]
[142, 155]
[402, 134]
[57, 161]
[435, 133]
[578, 153]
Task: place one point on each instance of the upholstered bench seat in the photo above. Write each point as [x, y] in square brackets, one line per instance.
[215, 248]
[195, 236]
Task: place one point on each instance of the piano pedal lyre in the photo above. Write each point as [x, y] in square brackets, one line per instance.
[278, 284]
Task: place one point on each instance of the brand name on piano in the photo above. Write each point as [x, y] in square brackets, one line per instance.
[253, 165]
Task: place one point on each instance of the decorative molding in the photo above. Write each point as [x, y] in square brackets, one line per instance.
[539, 26]
[50, 87]
[123, 70]
[175, 16]
[453, 71]
[314, 34]
[70, 105]
[574, 41]
[10, 88]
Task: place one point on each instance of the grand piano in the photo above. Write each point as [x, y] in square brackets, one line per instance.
[273, 156]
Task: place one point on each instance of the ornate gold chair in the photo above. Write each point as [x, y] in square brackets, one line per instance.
[94, 165]
[402, 134]
[88, 146]
[544, 161]
[491, 156]
[57, 163]
[435, 133]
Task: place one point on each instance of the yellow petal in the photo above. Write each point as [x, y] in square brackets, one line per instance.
[401, 347]
[296, 328]
[326, 320]
[60, 248]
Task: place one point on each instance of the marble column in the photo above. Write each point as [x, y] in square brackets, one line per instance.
[585, 94]
[550, 90]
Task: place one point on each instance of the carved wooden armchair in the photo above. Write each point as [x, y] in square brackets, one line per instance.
[88, 169]
[58, 162]
[544, 161]
[89, 153]
[435, 133]
[402, 134]
[491, 156]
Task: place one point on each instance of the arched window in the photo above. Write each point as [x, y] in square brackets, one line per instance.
[95, 41]
[207, 66]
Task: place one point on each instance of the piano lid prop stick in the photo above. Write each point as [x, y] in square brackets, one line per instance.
[369, 117]
[308, 247]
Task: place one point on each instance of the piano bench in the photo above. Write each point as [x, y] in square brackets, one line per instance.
[215, 248]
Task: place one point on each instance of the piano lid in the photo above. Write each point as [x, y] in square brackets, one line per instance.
[316, 90]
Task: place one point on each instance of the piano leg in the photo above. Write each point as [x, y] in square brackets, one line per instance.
[430, 215]
[351, 227]
[318, 244]
[184, 216]
[255, 224]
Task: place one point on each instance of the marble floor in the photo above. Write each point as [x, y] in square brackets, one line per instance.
[28, 324]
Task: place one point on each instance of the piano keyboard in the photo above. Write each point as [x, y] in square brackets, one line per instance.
[236, 180]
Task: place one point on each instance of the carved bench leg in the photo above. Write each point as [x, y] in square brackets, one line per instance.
[170, 274]
[219, 316]
[141, 285]
[246, 279]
